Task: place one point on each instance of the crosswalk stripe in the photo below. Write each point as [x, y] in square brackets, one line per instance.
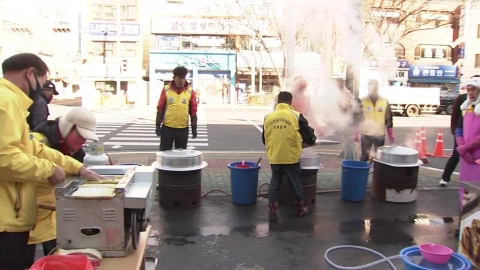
[152, 131]
[150, 144]
[153, 128]
[151, 139]
[150, 135]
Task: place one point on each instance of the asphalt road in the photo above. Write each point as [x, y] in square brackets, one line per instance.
[240, 129]
[74, 102]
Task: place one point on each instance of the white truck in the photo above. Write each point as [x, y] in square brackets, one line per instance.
[411, 101]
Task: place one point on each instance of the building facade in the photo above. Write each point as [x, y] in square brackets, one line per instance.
[468, 36]
[44, 28]
[221, 48]
[111, 52]
[426, 57]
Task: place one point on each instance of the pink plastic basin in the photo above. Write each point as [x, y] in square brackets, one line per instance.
[434, 253]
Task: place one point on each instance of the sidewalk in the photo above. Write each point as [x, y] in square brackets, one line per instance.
[217, 175]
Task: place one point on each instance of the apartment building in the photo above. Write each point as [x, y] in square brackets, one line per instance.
[219, 46]
[468, 36]
[426, 57]
[111, 52]
[43, 28]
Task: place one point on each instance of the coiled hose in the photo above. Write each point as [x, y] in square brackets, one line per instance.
[383, 260]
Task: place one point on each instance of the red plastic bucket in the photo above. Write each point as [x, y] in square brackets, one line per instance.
[243, 166]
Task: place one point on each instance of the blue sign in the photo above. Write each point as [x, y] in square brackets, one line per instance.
[391, 64]
[126, 29]
[193, 60]
[433, 71]
[461, 51]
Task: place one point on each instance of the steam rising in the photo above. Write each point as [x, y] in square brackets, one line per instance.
[334, 103]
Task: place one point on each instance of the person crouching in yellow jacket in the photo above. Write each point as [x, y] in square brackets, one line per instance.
[284, 132]
[67, 135]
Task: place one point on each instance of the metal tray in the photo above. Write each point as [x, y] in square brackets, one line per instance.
[151, 263]
[397, 155]
[179, 159]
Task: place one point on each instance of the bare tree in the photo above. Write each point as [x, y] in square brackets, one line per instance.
[264, 18]
[389, 22]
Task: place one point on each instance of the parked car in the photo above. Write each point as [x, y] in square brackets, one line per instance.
[447, 98]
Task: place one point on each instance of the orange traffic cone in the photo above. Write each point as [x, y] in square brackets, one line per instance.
[439, 150]
[419, 148]
[423, 137]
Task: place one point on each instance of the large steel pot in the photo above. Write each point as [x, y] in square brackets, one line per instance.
[397, 155]
[310, 160]
[180, 160]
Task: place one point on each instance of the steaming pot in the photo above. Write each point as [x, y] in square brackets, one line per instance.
[397, 156]
[395, 174]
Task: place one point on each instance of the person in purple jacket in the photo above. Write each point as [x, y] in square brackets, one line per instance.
[467, 134]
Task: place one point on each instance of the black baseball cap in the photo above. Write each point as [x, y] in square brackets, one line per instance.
[49, 85]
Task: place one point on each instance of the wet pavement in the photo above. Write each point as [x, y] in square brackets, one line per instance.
[220, 235]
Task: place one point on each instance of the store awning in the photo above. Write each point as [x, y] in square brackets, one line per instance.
[434, 80]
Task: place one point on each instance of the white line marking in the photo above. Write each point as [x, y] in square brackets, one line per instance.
[152, 131]
[437, 170]
[149, 135]
[248, 120]
[105, 129]
[148, 144]
[204, 152]
[150, 139]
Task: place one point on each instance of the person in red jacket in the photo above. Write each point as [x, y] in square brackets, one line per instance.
[177, 102]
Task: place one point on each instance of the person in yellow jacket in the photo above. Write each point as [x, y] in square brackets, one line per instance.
[177, 102]
[24, 162]
[67, 134]
[284, 132]
[376, 121]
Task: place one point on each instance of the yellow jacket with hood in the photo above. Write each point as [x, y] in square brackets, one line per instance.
[24, 162]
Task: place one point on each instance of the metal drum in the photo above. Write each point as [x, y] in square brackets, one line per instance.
[310, 164]
[395, 174]
[180, 178]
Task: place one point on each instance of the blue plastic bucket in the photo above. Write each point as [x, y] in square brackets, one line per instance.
[244, 183]
[354, 180]
[457, 261]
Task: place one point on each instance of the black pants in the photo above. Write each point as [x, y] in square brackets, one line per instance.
[47, 248]
[13, 247]
[169, 136]
[451, 163]
[366, 143]
[293, 174]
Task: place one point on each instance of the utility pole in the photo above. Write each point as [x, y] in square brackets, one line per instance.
[119, 62]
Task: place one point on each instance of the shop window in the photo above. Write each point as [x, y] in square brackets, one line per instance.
[208, 43]
[243, 43]
[477, 60]
[186, 42]
[103, 48]
[97, 8]
[167, 42]
[107, 10]
[128, 49]
[399, 51]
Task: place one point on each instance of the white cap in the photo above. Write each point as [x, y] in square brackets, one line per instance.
[82, 119]
[475, 82]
